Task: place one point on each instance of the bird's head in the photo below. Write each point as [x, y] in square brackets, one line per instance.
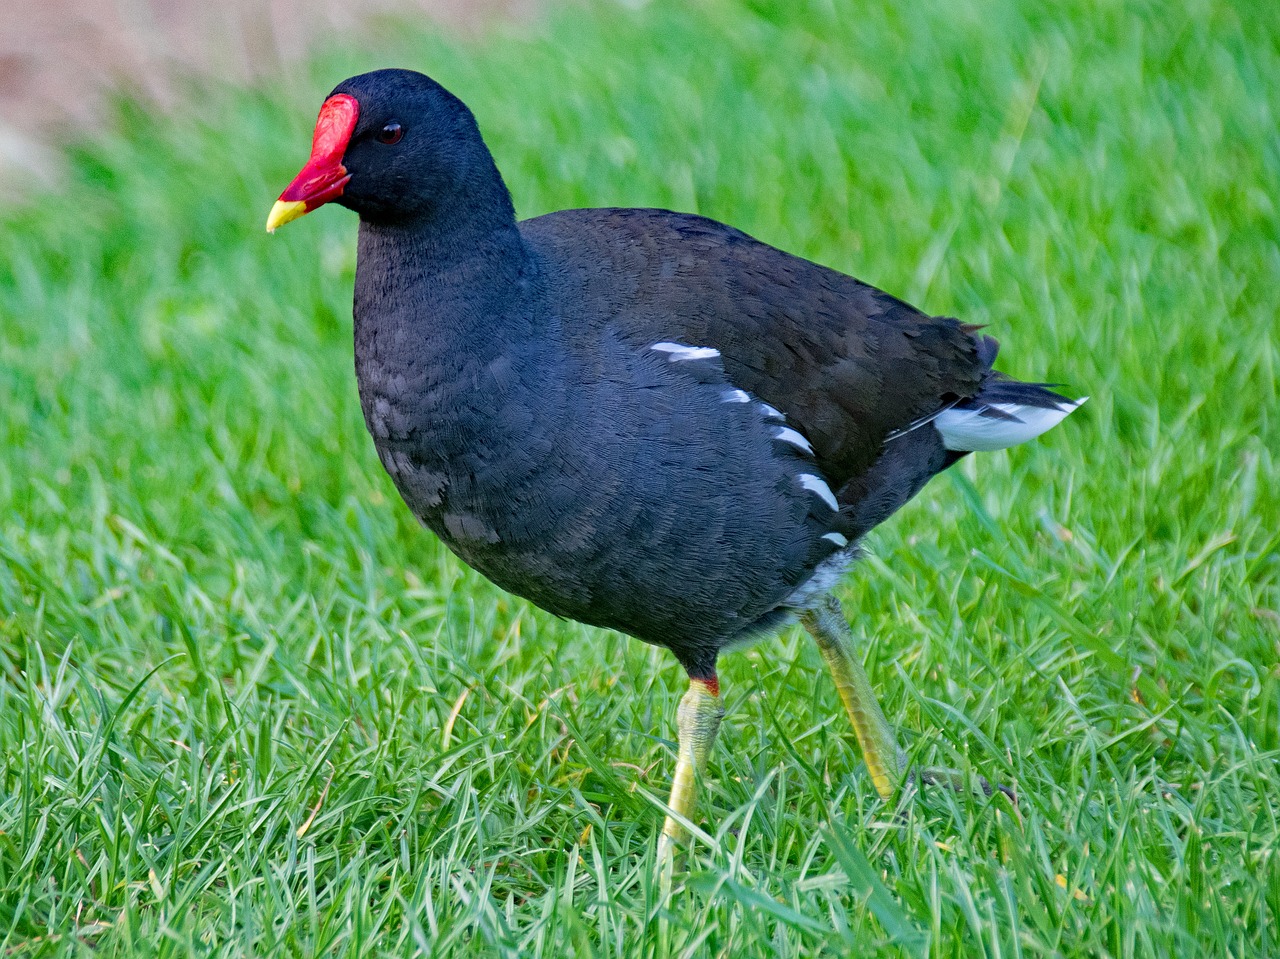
[392, 145]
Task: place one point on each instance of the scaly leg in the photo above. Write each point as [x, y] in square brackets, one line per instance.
[698, 721]
[884, 759]
[829, 629]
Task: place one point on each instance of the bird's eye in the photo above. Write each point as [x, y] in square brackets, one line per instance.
[391, 133]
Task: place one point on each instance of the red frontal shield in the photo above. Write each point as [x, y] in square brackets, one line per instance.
[324, 176]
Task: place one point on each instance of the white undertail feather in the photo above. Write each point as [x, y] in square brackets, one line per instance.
[971, 431]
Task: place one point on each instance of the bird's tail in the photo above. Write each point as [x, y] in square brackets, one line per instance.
[1004, 413]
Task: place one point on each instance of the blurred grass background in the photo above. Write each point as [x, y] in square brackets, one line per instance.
[247, 707]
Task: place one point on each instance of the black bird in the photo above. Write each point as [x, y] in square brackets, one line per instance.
[644, 420]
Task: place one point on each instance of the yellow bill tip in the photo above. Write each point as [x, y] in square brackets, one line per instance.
[284, 211]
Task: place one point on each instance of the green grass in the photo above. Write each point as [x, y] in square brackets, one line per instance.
[248, 707]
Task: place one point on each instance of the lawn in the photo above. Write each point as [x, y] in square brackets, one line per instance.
[248, 707]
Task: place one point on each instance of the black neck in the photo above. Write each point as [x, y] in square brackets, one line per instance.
[461, 264]
[444, 320]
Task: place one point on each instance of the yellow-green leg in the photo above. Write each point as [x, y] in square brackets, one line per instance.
[698, 721]
[886, 762]
[829, 629]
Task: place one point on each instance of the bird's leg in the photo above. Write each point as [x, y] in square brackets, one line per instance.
[698, 720]
[884, 759]
[829, 629]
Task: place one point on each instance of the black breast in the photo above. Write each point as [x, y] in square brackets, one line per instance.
[629, 487]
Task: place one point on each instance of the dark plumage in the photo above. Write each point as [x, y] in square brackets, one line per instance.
[639, 419]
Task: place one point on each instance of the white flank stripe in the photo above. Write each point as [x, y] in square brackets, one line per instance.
[681, 353]
[970, 431]
[788, 435]
[770, 413]
[840, 541]
[734, 396]
[817, 486]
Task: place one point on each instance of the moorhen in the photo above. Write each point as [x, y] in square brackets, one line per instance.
[643, 420]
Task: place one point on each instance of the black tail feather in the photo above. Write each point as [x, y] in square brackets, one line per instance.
[1004, 389]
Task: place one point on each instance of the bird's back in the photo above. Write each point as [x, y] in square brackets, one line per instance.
[845, 362]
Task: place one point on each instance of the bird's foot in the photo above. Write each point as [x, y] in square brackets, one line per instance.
[960, 782]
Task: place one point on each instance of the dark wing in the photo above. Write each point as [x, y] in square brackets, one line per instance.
[849, 365]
